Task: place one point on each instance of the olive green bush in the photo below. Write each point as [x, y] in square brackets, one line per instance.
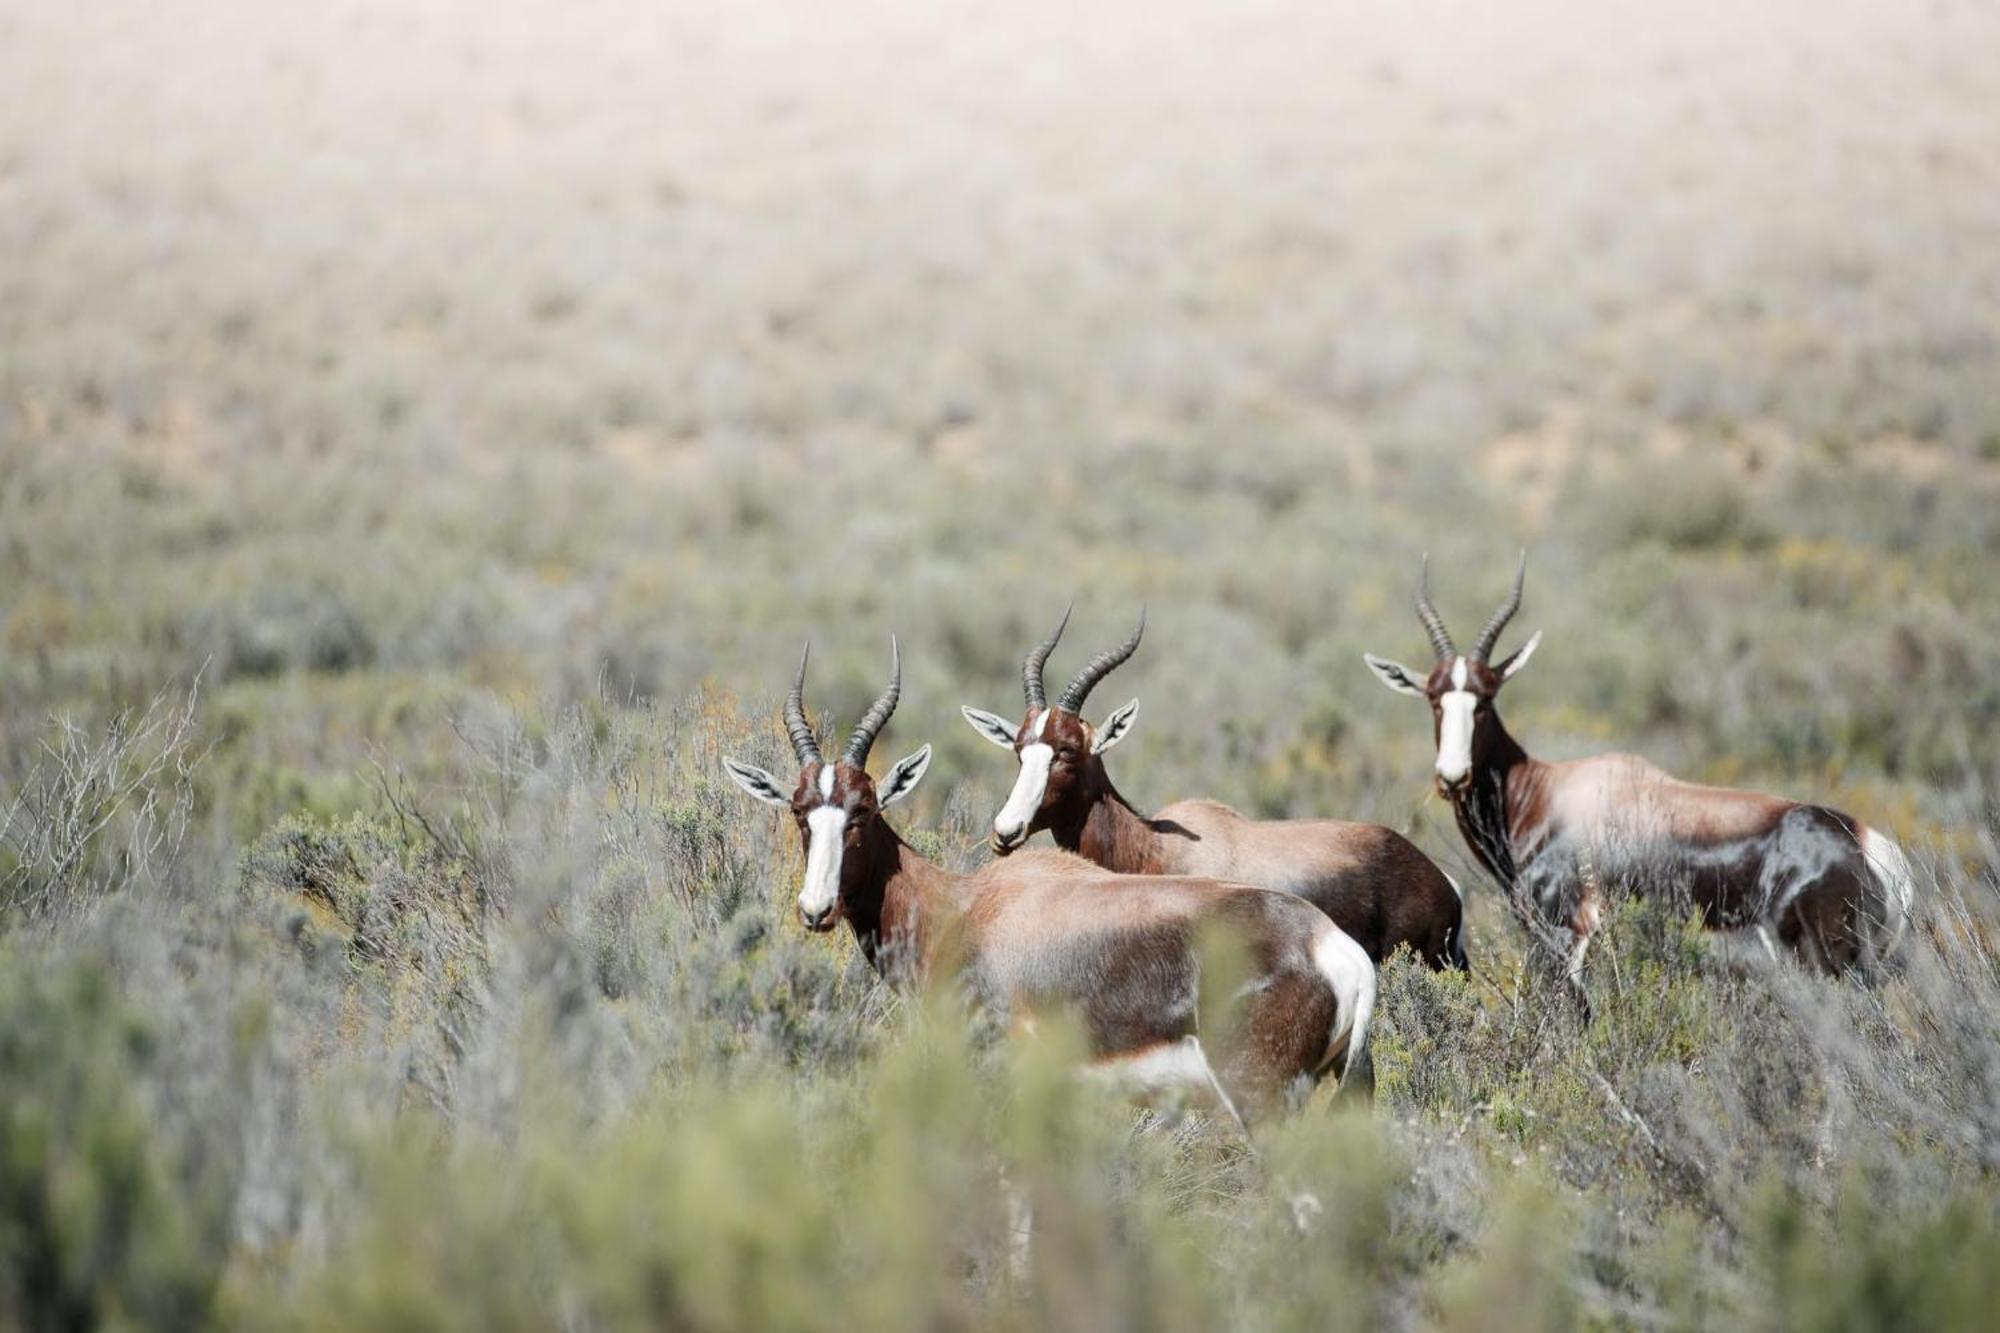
[428, 433]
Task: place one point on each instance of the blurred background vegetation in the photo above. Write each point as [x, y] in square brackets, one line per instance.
[428, 430]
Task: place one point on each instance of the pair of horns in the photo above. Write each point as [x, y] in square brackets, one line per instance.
[806, 746]
[1096, 669]
[1434, 623]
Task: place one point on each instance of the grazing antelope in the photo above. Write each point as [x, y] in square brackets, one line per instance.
[1835, 891]
[1054, 931]
[1372, 881]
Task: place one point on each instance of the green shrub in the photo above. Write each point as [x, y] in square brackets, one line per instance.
[108, 1217]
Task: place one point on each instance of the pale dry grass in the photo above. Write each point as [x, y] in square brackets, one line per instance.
[456, 379]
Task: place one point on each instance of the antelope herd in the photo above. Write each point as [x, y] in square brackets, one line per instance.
[1051, 930]
[1116, 926]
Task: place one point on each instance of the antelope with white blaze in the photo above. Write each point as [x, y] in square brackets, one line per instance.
[1836, 892]
[1051, 931]
[1370, 880]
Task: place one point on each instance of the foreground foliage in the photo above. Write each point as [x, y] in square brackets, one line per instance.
[436, 382]
[558, 1058]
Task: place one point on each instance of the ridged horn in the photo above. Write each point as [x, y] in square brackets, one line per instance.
[804, 744]
[1433, 622]
[1031, 666]
[1100, 666]
[1491, 634]
[877, 716]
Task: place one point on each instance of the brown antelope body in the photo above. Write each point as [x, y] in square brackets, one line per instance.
[1051, 931]
[1832, 890]
[1369, 880]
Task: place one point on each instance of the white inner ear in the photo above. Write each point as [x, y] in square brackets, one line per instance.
[905, 776]
[756, 781]
[1520, 657]
[1115, 728]
[1393, 674]
[993, 727]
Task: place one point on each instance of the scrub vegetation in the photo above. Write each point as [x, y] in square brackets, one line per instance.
[427, 432]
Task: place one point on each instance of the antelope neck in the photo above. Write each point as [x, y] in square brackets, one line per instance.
[1111, 833]
[1498, 795]
[899, 901]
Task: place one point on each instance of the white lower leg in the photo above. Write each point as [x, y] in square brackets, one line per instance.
[1577, 949]
[1020, 1231]
[1215, 1086]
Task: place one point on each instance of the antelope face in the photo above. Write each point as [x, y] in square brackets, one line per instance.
[836, 805]
[1461, 688]
[1461, 694]
[1058, 752]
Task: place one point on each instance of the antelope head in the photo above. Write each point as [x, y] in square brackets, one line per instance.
[1060, 753]
[1461, 687]
[835, 804]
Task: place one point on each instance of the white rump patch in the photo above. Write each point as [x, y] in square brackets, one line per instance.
[1345, 964]
[1885, 857]
[824, 829]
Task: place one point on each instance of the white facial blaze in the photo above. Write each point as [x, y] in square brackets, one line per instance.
[1026, 798]
[825, 828]
[1454, 759]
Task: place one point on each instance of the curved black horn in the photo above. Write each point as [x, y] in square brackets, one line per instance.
[1433, 622]
[804, 744]
[1031, 666]
[1491, 634]
[1100, 666]
[877, 715]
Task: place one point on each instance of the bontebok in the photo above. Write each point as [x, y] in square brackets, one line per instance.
[1370, 880]
[1123, 954]
[1830, 888]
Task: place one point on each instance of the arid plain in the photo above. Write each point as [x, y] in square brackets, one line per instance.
[433, 427]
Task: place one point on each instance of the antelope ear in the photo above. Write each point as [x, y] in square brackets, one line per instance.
[1519, 657]
[757, 782]
[901, 780]
[993, 727]
[1394, 674]
[1115, 728]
